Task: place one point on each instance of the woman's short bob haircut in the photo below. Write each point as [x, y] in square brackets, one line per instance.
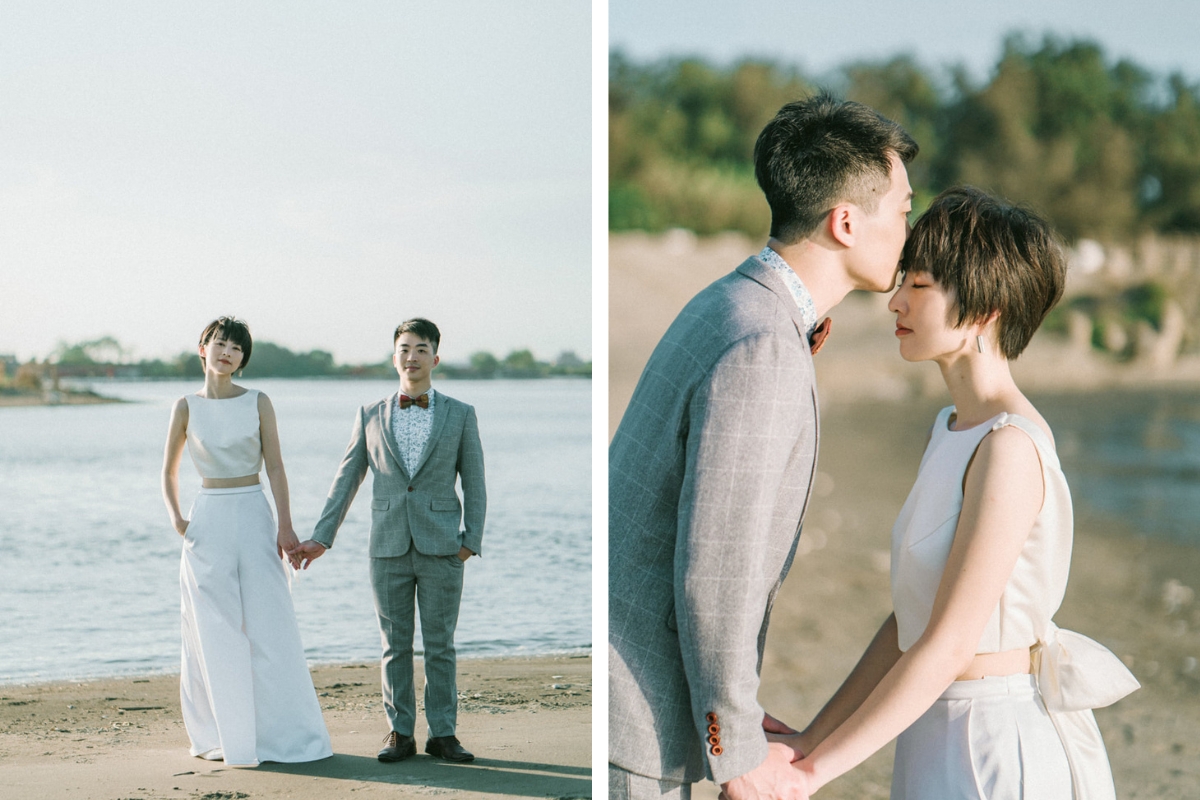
[230, 329]
[995, 257]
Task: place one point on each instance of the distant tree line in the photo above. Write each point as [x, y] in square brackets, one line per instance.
[105, 357]
[1106, 150]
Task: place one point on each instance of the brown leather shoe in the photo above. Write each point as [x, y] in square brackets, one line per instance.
[448, 748]
[397, 747]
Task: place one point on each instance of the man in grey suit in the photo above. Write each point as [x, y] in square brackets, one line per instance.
[711, 466]
[418, 444]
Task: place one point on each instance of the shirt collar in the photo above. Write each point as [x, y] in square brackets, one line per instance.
[795, 287]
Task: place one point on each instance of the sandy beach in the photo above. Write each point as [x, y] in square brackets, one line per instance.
[528, 721]
[1136, 595]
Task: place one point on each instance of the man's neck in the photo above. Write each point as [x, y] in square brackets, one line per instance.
[415, 389]
[819, 269]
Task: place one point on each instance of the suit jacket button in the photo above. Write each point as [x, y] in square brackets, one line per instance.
[717, 750]
[714, 739]
[710, 716]
[714, 729]
[410, 488]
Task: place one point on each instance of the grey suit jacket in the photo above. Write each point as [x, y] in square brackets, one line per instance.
[421, 509]
[709, 476]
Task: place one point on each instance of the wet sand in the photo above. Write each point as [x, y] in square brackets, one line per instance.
[527, 720]
[1133, 594]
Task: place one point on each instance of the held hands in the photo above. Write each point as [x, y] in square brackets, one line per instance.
[287, 542]
[772, 725]
[783, 734]
[307, 552]
[796, 742]
[774, 779]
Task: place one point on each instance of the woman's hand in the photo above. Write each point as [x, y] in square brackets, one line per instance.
[798, 743]
[181, 526]
[287, 542]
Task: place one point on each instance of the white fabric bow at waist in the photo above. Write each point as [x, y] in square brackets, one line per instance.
[1075, 672]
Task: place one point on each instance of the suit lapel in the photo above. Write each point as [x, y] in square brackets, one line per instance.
[389, 436]
[441, 410]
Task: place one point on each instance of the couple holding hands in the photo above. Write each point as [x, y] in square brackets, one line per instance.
[246, 692]
[710, 473]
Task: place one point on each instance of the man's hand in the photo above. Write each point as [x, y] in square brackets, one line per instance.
[307, 552]
[774, 779]
[464, 553]
[780, 732]
[772, 725]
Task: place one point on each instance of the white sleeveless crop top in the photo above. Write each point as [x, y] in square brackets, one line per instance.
[223, 435]
[924, 531]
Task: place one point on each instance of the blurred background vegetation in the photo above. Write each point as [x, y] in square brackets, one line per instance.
[1106, 150]
[107, 358]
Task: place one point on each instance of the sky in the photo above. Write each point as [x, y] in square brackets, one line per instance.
[322, 170]
[1159, 35]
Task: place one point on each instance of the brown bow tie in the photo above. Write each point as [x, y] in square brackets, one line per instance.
[422, 401]
[819, 335]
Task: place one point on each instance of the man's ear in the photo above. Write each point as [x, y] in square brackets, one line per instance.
[842, 224]
[436, 359]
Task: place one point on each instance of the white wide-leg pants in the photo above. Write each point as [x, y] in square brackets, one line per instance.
[989, 739]
[246, 692]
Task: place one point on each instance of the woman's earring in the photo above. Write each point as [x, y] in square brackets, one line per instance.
[979, 342]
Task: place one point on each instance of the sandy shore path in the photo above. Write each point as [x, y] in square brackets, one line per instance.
[528, 721]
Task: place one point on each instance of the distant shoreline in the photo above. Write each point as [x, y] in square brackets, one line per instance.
[88, 397]
[60, 398]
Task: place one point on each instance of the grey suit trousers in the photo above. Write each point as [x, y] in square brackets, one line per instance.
[435, 584]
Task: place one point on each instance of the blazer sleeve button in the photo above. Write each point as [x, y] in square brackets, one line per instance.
[717, 749]
[714, 729]
[710, 716]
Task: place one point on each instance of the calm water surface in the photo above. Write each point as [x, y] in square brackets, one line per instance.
[1133, 456]
[89, 564]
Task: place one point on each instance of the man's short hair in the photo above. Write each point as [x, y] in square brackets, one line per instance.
[422, 328]
[993, 256]
[822, 151]
[230, 329]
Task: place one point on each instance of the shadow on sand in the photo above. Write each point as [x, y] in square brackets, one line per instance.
[484, 775]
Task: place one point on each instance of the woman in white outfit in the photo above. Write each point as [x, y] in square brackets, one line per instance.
[988, 697]
[246, 692]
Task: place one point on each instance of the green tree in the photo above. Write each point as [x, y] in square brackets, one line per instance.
[520, 361]
[1050, 130]
[484, 364]
[105, 350]
[1171, 186]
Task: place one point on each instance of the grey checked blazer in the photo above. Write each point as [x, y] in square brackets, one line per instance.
[420, 509]
[709, 476]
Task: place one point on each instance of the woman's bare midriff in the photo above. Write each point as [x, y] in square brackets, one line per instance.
[987, 665]
[229, 483]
